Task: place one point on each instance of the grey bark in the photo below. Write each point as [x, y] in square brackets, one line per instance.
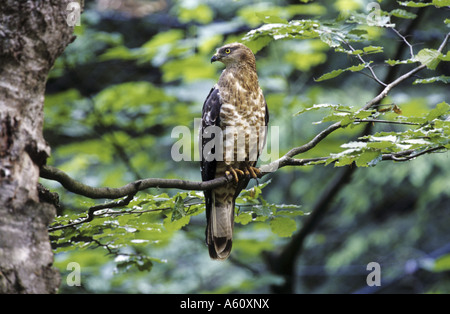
[33, 33]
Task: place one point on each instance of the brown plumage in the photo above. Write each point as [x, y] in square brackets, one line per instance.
[236, 107]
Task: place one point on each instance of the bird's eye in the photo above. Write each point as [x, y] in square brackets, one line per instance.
[227, 51]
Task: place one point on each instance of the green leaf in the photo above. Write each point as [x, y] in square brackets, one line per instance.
[413, 4]
[368, 158]
[173, 225]
[356, 68]
[445, 57]
[429, 57]
[440, 109]
[348, 119]
[403, 14]
[283, 226]
[362, 114]
[381, 145]
[344, 160]
[331, 39]
[372, 49]
[303, 29]
[178, 209]
[441, 3]
[396, 62]
[442, 78]
[257, 44]
[335, 73]
[243, 218]
[322, 106]
[330, 75]
[294, 211]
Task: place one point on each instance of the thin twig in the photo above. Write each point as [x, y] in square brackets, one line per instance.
[412, 156]
[444, 42]
[411, 51]
[385, 121]
[367, 64]
[93, 209]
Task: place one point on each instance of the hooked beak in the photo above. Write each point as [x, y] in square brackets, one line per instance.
[214, 58]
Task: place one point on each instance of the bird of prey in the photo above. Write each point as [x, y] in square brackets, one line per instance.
[235, 118]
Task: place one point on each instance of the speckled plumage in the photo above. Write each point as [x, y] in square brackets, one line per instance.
[237, 106]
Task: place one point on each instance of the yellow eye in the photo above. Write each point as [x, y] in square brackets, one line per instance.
[227, 51]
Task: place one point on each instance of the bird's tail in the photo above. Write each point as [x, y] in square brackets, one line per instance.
[219, 229]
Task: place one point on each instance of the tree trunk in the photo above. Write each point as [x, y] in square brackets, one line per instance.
[33, 33]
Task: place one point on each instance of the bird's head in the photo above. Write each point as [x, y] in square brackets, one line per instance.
[234, 54]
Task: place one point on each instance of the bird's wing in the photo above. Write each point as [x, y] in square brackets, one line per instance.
[210, 117]
[266, 117]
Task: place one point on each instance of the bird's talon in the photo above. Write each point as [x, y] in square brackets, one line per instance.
[254, 172]
[241, 173]
[233, 172]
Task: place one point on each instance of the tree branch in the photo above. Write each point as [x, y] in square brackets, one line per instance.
[72, 185]
[412, 155]
[130, 189]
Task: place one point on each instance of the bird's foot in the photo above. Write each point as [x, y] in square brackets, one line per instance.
[235, 172]
[252, 172]
[248, 171]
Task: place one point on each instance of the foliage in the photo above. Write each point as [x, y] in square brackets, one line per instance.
[117, 92]
[153, 219]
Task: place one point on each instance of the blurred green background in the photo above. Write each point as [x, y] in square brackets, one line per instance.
[139, 68]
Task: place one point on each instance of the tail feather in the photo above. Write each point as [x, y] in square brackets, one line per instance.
[219, 230]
